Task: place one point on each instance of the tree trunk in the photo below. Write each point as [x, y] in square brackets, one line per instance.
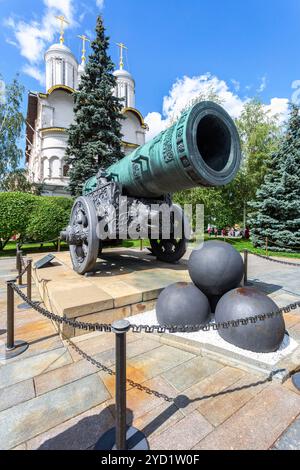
[245, 215]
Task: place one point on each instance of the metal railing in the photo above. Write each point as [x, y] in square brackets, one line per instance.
[116, 438]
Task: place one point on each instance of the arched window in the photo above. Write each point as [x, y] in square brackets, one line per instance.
[65, 170]
[54, 167]
[45, 169]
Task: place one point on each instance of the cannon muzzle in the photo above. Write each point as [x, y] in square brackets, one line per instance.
[201, 149]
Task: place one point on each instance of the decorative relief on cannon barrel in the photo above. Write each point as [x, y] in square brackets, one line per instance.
[167, 147]
[140, 166]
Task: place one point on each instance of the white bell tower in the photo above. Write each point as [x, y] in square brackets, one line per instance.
[125, 88]
[61, 65]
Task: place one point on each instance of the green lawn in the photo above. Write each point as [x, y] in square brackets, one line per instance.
[10, 248]
[240, 245]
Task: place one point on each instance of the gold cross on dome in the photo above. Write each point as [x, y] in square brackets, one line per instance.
[63, 21]
[84, 40]
[122, 47]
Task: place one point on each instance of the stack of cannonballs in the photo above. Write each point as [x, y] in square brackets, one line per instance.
[217, 270]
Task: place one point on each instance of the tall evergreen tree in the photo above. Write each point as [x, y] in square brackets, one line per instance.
[95, 138]
[278, 199]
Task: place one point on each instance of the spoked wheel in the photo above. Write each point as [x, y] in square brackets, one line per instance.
[172, 250]
[84, 243]
[168, 251]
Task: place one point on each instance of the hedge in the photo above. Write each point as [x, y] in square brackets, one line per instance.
[34, 218]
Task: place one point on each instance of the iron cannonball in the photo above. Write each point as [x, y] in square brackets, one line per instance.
[216, 268]
[213, 301]
[261, 337]
[182, 304]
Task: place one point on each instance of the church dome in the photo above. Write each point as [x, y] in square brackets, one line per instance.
[123, 74]
[59, 47]
[61, 67]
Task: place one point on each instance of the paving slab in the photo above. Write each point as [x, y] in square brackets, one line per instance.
[258, 424]
[187, 374]
[183, 435]
[210, 387]
[15, 394]
[216, 410]
[25, 421]
[290, 440]
[79, 433]
[140, 402]
[159, 360]
[18, 371]
[64, 375]
[157, 420]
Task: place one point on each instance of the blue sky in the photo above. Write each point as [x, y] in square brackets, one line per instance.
[175, 49]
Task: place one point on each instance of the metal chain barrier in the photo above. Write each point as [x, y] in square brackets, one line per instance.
[288, 263]
[116, 437]
[105, 327]
[110, 372]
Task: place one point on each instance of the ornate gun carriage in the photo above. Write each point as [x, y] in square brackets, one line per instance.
[201, 149]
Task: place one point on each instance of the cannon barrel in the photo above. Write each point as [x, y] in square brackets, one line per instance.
[201, 149]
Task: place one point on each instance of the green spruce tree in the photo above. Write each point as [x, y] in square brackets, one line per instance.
[278, 199]
[95, 138]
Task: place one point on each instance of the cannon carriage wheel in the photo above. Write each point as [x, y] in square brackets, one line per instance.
[83, 224]
[173, 249]
[168, 251]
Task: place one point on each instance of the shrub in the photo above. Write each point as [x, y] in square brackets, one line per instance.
[50, 217]
[15, 211]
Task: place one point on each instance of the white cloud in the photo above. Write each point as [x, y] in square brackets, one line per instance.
[263, 84]
[35, 73]
[100, 3]
[279, 107]
[187, 89]
[156, 124]
[32, 37]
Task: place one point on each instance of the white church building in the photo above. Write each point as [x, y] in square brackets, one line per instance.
[50, 114]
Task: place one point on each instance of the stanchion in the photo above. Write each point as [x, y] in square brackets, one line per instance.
[245, 267]
[13, 348]
[58, 245]
[122, 437]
[26, 306]
[20, 280]
[18, 257]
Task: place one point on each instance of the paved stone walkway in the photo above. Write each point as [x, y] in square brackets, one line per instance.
[52, 399]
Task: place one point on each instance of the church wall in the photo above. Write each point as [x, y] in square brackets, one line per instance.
[61, 69]
[132, 131]
[125, 90]
[53, 158]
[62, 104]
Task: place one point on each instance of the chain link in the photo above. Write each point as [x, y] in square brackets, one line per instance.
[110, 372]
[107, 328]
[143, 328]
[288, 263]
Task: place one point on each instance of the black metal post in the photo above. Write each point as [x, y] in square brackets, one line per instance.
[245, 267]
[120, 328]
[17, 257]
[10, 344]
[29, 278]
[122, 437]
[20, 280]
[12, 348]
